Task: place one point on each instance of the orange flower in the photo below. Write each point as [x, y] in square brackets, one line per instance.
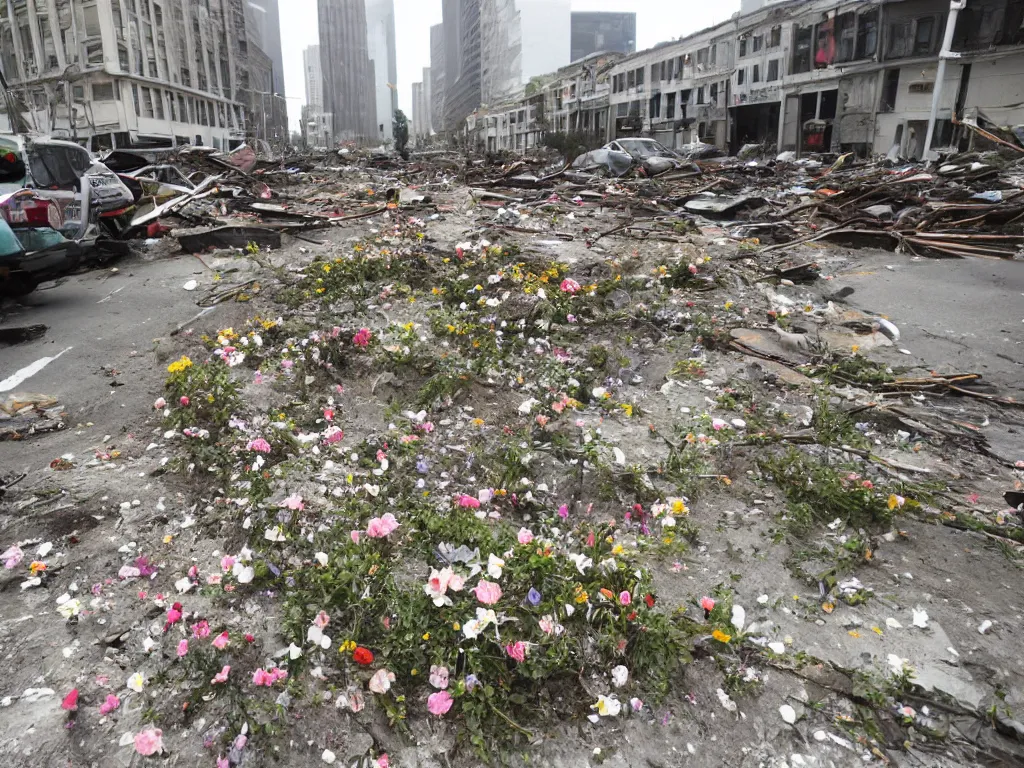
[720, 636]
[36, 567]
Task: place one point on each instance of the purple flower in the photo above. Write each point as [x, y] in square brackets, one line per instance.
[471, 682]
[422, 466]
[533, 596]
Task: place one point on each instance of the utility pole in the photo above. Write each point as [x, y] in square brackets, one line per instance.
[955, 6]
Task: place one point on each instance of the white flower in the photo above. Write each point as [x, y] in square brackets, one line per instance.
[484, 618]
[607, 706]
[69, 607]
[274, 534]
[183, 585]
[148, 644]
[321, 557]
[526, 406]
[381, 681]
[316, 636]
[243, 573]
[620, 457]
[494, 566]
[739, 617]
[582, 562]
[294, 651]
[619, 676]
[135, 682]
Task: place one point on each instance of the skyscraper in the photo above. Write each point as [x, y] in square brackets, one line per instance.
[380, 36]
[313, 75]
[437, 77]
[611, 32]
[522, 39]
[462, 61]
[264, 16]
[347, 69]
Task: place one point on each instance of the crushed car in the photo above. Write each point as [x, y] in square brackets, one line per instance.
[82, 188]
[32, 248]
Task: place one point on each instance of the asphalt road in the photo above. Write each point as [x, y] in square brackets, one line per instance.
[97, 321]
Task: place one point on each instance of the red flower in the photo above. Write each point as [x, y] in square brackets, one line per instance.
[362, 656]
[249, 638]
[649, 599]
[70, 702]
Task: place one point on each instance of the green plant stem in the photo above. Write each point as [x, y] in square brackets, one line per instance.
[510, 721]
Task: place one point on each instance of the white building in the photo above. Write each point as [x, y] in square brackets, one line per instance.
[314, 77]
[105, 74]
[380, 38]
[519, 40]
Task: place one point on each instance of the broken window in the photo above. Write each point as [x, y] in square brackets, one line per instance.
[898, 40]
[825, 47]
[621, 109]
[640, 76]
[743, 46]
[924, 32]
[702, 58]
[773, 71]
[700, 95]
[741, 73]
[631, 78]
[775, 37]
[654, 108]
[756, 43]
[846, 36]
[158, 103]
[867, 34]
[755, 75]
[135, 99]
[634, 108]
[802, 49]
[712, 56]
[670, 106]
[713, 95]
[94, 52]
[890, 89]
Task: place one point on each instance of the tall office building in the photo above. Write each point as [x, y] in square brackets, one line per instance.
[462, 61]
[609, 32]
[313, 76]
[522, 39]
[265, 30]
[437, 77]
[428, 87]
[380, 37]
[347, 70]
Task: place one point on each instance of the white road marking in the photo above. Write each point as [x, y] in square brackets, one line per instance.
[28, 371]
[107, 297]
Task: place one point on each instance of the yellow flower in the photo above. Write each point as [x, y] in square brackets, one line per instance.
[627, 408]
[581, 594]
[729, 304]
[720, 636]
[209, 398]
[347, 647]
[617, 549]
[168, 538]
[895, 501]
[327, 268]
[679, 507]
[414, 672]
[179, 365]
[456, 626]
[426, 635]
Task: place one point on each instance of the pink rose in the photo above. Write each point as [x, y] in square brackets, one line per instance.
[184, 401]
[222, 676]
[110, 704]
[439, 703]
[220, 642]
[160, 404]
[182, 649]
[355, 537]
[487, 592]
[467, 501]
[516, 650]
[570, 286]
[525, 536]
[625, 598]
[149, 742]
[379, 527]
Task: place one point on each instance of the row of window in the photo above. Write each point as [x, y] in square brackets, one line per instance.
[701, 96]
[771, 74]
[754, 43]
[667, 70]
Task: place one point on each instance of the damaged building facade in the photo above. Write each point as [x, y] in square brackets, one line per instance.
[811, 77]
[119, 73]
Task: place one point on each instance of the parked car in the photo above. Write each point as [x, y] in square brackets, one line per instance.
[641, 149]
[32, 251]
[65, 173]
